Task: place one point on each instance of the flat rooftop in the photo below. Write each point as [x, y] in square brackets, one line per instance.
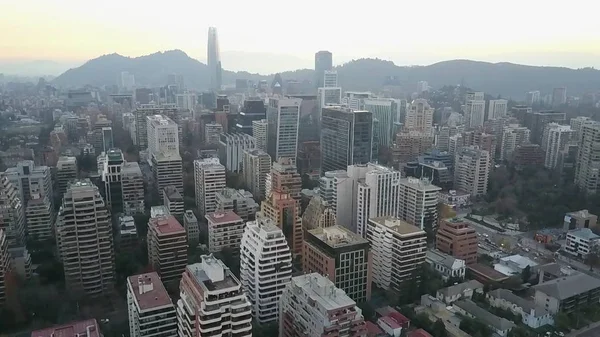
[167, 225]
[172, 193]
[149, 291]
[399, 226]
[74, 329]
[323, 291]
[218, 218]
[337, 236]
[212, 274]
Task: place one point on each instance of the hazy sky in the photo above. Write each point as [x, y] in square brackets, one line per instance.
[269, 35]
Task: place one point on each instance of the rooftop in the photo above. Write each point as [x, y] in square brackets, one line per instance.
[399, 226]
[160, 120]
[167, 225]
[442, 258]
[487, 272]
[226, 217]
[390, 322]
[212, 274]
[127, 225]
[485, 316]
[149, 291]
[337, 236]
[420, 184]
[419, 333]
[88, 328]
[584, 233]
[568, 286]
[584, 213]
[526, 305]
[321, 290]
[172, 193]
[131, 168]
[156, 211]
[460, 288]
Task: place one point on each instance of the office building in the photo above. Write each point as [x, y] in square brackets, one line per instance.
[559, 96]
[238, 201]
[418, 200]
[256, 165]
[167, 247]
[474, 109]
[5, 265]
[187, 101]
[174, 201]
[151, 311]
[252, 111]
[126, 241]
[209, 178]
[330, 251]
[472, 170]
[497, 108]
[419, 116]
[212, 131]
[41, 218]
[259, 131]
[384, 111]
[436, 172]
[513, 135]
[284, 177]
[398, 247]
[553, 142]
[318, 214]
[330, 79]
[132, 182]
[346, 138]
[265, 268]
[212, 302]
[284, 211]
[30, 179]
[326, 97]
[533, 97]
[107, 138]
[163, 135]
[536, 122]
[456, 238]
[190, 224]
[66, 171]
[214, 60]
[587, 167]
[139, 131]
[283, 115]
[231, 149]
[323, 62]
[112, 164]
[85, 240]
[313, 306]
[225, 229]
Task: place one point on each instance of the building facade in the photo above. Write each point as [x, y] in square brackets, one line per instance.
[456, 238]
[151, 311]
[167, 247]
[209, 179]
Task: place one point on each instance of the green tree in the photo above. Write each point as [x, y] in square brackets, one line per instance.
[367, 310]
[265, 330]
[562, 321]
[526, 274]
[438, 329]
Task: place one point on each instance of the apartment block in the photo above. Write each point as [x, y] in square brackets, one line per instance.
[174, 201]
[497, 108]
[167, 169]
[167, 247]
[212, 302]
[190, 223]
[232, 147]
[127, 239]
[456, 238]
[5, 267]
[66, 171]
[11, 213]
[30, 180]
[398, 247]
[265, 268]
[41, 218]
[418, 200]
[132, 184]
[259, 132]
[257, 165]
[284, 178]
[151, 311]
[472, 169]
[313, 306]
[342, 256]
[212, 131]
[554, 139]
[419, 116]
[284, 211]
[112, 163]
[209, 179]
[580, 242]
[513, 135]
[238, 201]
[225, 229]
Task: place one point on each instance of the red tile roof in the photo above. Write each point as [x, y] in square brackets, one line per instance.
[390, 322]
[167, 225]
[70, 330]
[218, 218]
[486, 272]
[155, 295]
[419, 333]
[373, 330]
[398, 317]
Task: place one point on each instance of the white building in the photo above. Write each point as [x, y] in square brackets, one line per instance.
[163, 135]
[151, 311]
[66, 171]
[259, 132]
[513, 135]
[497, 108]
[532, 315]
[554, 139]
[265, 268]
[239, 201]
[459, 291]
[330, 79]
[212, 131]
[474, 109]
[30, 179]
[163, 150]
[418, 202]
[577, 124]
[471, 170]
[334, 186]
[256, 166]
[580, 242]
[187, 101]
[212, 302]
[232, 147]
[398, 247]
[225, 231]
[448, 266]
[209, 178]
[419, 116]
[283, 115]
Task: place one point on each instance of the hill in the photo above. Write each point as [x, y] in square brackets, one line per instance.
[506, 79]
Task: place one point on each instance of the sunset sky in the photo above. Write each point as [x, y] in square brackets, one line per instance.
[286, 36]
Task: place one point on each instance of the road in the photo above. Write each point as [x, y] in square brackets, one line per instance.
[592, 331]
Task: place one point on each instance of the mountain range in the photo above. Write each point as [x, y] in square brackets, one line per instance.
[505, 79]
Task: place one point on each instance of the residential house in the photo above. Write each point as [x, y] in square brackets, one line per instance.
[565, 294]
[448, 266]
[532, 314]
[459, 291]
[500, 326]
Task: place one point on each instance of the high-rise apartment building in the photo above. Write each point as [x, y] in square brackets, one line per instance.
[559, 96]
[513, 135]
[533, 97]
[418, 200]
[151, 311]
[256, 166]
[334, 186]
[238, 201]
[41, 218]
[342, 256]
[225, 231]
[587, 167]
[283, 115]
[330, 79]
[66, 171]
[212, 302]
[132, 182]
[265, 268]
[285, 213]
[253, 110]
[111, 179]
[409, 145]
[455, 237]
[209, 178]
[346, 138]
[555, 138]
[11, 213]
[577, 124]
[30, 179]
[323, 62]
[5, 266]
[284, 177]
[536, 122]
[384, 111]
[313, 306]
[85, 240]
[318, 214]
[214, 59]
[212, 131]
[472, 170]
[163, 149]
[190, 224]
[173, 200]
[419, 116]
[167, 247]
[107, 138]
[259, 131]
[398, 247]
[139, 131]
[497, 108]
[232, 147]
[474, 109]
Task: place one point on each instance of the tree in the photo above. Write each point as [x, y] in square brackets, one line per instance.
[367, 310]
[265, 330]
[438, 329]
[526, 274]
[475, 327]
[562, 321]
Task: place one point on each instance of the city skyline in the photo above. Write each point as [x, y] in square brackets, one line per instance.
[77, 36]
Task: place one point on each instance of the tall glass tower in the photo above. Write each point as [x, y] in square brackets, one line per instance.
[214, 59]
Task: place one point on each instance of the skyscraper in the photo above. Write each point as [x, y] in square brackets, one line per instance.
[283, 116]
[587, 167]
[419, 116]
[474, 109]
[497, 108]
[214, 59]
[323, 62]
[209, 178]
[384, 110]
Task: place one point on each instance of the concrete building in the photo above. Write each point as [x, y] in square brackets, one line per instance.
[446, 265]
[87, 328]
[323, 62]
[513, 135]
[474, 109]
[580, 242]
[528, 155]
[497, 108]
[190, 224]
[163, 150]
[313, 306]
[259, 132]
[419, 116]
[531, 314]
[533, 97]
[398, 247]
[212, 302]
[209, 179]
[515, 264]
[555, 138]
[126, 242]
[500, 326]
[167, 247]
[225, 229]
[461, 291]
[330, 251]
[318, 214]
[383, 110]
[283, 115]
[265, 268]
[112, 164]
[456, 238]
[212, 131]
[41, 218]
[579, 219]
[587, 167]
[85, 240]
[284, 211]
[11, 213]
[346, 137]
[151, 311]
[409, 145]
[577, 124]
[30, 179]
[284, 178]
[418, 200]
[334, 186]
[5, 266]
[173, 200]
[566, 294]
[132, 182]
[537, 121]
[238, 201]
[257, 165]
[471, 171]
[232, 147]
[66, 171]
